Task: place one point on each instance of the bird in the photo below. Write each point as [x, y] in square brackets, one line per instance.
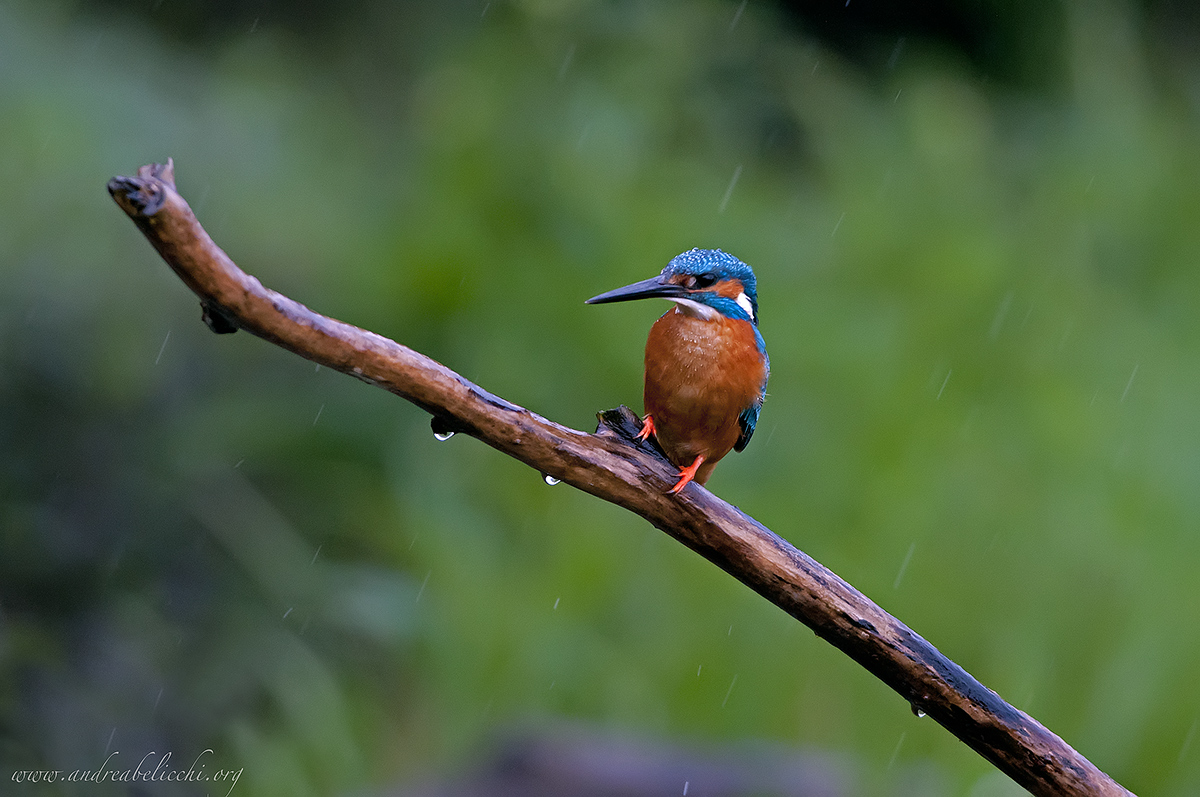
[706, 364]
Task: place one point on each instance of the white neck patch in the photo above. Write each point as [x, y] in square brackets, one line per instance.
[695, 309]
[744, 302]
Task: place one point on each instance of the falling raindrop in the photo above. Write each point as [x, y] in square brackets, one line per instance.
[896, 751]
[944, 383]
[1128, 384]
[443, 436]
[1001, 313]
[163, 348]
[550, 480]
[424, 583]
[566, 64]
[729, 691]
[685, 783]
[837, 226]
[904, 565]
[896, 51]
[732, 25]
[1187, 740]
[737, 173]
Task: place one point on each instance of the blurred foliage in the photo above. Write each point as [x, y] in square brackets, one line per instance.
[979, 297]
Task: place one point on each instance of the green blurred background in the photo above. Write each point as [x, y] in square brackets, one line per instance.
[975, 230]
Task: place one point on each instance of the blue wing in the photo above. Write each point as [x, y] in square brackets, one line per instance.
[747, 420]
[749, 417]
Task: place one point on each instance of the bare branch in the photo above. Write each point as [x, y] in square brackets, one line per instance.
[613, 466]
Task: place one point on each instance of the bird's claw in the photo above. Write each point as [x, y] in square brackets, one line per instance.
[686, 475]
[647, 429]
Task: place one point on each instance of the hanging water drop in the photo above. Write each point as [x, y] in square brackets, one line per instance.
[550, 480]
[443, 428]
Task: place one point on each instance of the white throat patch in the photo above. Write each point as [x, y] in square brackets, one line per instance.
[694, 309]
[744, 302]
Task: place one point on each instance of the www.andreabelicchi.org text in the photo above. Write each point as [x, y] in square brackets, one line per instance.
[152, 768]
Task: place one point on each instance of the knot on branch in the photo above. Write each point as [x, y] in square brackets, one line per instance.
[624, 424]
[144, 195]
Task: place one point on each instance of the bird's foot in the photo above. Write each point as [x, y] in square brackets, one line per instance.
[647, 428]
[686, 475]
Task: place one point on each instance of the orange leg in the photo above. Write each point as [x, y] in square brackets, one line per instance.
[686, 475]
[647, 428]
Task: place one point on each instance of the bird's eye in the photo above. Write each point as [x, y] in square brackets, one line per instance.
[705, 280]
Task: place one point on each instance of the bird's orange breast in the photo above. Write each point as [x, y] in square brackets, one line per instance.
[700, 376]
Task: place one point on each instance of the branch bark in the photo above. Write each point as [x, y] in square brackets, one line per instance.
[612, 465]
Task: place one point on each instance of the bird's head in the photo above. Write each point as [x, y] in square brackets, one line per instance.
[703, 282]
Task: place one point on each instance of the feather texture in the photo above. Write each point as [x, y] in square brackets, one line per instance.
[705, 382]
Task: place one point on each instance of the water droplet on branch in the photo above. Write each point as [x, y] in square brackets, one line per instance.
[443, 428]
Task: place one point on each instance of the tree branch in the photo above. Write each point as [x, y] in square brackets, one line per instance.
[613, 466]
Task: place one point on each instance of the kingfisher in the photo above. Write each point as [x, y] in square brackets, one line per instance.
[706, 362]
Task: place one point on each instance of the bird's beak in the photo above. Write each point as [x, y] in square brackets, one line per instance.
[653, 287]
